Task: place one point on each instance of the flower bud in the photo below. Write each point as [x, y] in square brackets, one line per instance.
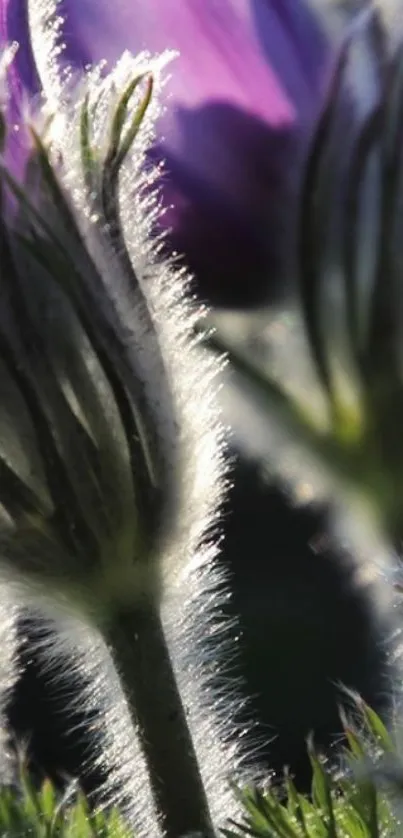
[112, 472]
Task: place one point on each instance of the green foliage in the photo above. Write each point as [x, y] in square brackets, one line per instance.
[356, 802]
[42, 814]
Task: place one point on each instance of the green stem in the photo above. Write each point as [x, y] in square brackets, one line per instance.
[138, 645]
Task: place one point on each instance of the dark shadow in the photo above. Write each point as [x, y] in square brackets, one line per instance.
[307, 626]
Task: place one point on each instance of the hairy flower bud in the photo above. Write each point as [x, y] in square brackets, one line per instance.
[98, 364]
[8, 671]
[110, 441]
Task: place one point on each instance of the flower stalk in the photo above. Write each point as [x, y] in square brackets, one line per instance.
[137, 641]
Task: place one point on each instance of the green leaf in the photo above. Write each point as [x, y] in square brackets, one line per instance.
[377, 728]
[322, 792]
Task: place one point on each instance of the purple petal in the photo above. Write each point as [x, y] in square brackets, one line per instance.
[243, 90]
[14, 27]
[299, 52]
[20, 79]
[219, 58]
[23, 81]
[242, 93]
[232, 227]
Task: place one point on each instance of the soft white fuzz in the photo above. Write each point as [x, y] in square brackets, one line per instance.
[179, 383]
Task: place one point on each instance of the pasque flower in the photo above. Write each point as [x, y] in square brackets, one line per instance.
[243, 93]
[110, 440]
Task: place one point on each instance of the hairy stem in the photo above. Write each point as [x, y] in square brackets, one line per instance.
[138, 645]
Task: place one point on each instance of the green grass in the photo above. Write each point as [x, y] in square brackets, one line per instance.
[359, 801]
[44, 814]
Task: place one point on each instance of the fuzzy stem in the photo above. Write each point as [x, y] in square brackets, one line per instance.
[138, 645]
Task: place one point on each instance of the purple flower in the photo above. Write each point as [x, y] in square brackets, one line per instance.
[242, 96]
